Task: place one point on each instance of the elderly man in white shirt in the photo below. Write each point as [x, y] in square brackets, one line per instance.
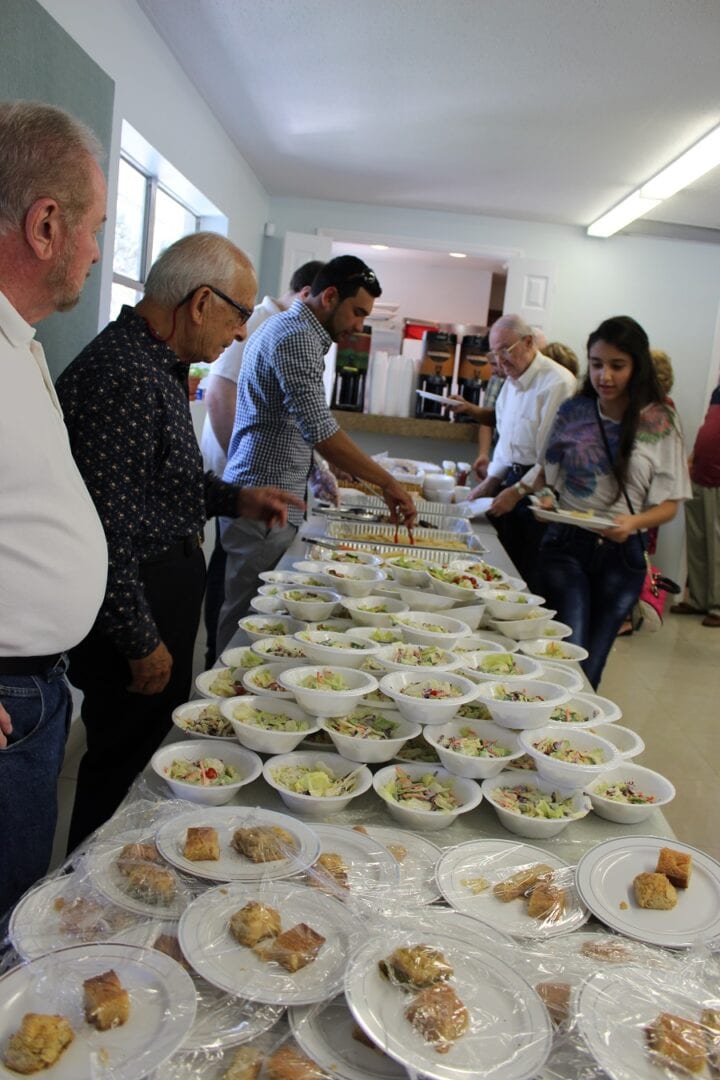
[53, 556]
[534, 388]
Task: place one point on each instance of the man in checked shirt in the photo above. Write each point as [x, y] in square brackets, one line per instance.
[282, 416]
[125, 402]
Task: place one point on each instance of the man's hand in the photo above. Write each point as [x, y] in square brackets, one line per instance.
[623, 526]
[5, 727]
[480, 465]
[505, 502]
[268, 504]
[460, 404]
[400, 504]
[151, 673]
[489, 486]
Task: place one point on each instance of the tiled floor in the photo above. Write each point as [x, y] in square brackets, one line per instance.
[668, 687]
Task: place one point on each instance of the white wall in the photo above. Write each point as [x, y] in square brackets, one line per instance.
[153, 93]
[671, 287]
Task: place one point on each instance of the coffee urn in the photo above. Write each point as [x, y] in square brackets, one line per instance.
[436, 373]
[351, 367]
[473, 370]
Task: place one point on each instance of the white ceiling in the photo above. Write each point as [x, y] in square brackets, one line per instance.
[550, 110]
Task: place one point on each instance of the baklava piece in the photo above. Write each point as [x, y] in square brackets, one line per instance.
[330, 869]
[38, 1044]
[654, 891]
[202, 844]
[416, 967]
[676, 866]
[107, 1002]
[264, 843]
[294, 949]
[245, 1065]
[170, 946]
[85, 919]
[254, 922]
[520, 883]
[134, 854]
[289, 1063]
[398, 852]
[556, 998]
[710, 1019]
[606, 949]
[546, 901]
[678, 1041]
[439, 1015]
[152, 884]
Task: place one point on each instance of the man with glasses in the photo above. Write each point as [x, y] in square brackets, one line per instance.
[525, 409]
[282, 415]
[126, 408]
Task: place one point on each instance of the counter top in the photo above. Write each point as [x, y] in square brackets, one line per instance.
[446, 430]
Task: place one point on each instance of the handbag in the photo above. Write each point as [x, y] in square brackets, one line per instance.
[655, 589]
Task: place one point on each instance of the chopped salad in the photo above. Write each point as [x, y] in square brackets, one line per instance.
[324, 680]
[499, 664]
[420, 655]
[206, 772]
[385, 637]
[406, 563]
[278, 646]
[306, 597]
[433, 628]
[210, 721]
[503, 693]
[432, 690]
[565, 714]
[556, 651]
[531, 802]
[268, 629]
[364, 724]
[316, 780]
[424, 792]
[418, 750]
[623, 791]
[265, 680]
[227, 682]
[474, 710]
[467, 741]
[563, 750]
[269, 721]
[454, 577]
[484, 571]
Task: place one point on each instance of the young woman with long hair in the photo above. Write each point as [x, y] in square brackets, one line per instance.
[615, 449]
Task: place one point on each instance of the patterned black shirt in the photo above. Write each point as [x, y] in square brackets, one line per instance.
[126, 408]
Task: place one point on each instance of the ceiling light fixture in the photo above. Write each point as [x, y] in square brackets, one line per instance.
[457, 254]
[379, 247]
[679, 174]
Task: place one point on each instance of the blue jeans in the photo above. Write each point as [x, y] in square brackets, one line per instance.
[592, 583]
[40, 708]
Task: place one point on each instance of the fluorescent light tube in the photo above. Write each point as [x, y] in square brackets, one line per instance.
[621, 215]
[690, 166]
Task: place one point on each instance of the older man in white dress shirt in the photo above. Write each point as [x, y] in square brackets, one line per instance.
[534, 388]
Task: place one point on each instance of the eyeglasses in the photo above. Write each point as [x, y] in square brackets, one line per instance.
[243, 312]
[504, 351]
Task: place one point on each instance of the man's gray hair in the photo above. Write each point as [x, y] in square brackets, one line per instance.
[203, 258]
[43, 152]
[516, 324]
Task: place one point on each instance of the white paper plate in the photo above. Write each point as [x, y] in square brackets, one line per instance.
[417, 885]
[513, 1046]
[371, 869]
[101, 865]
[605, 877]
[434, 397]
[232, 866]
[325, 1035]
[162, 1009]
[567, 517]
[206, 942]
[223, 1020]
[614, 1008]
[496, 860]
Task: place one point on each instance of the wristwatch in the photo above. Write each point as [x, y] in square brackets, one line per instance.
[522, 489]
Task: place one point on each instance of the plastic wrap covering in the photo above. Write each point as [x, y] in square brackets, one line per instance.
[322, 482]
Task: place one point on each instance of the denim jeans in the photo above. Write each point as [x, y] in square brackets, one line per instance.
[40, 708]
[592, 583]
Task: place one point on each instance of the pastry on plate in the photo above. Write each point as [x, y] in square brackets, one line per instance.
[150, 883]
[439, 1015]
[132, 854]
[330, 869]
[676, 866]
[107, 1002]
[264, 843]
[289, 1063]
[294, 949]
[556, 998]
[678, 1041]
[519, 883]
[254, 922]
[654, 891]
[202, 844]
[416, 966]
[169, 944]
[546, 901]
[245, 1064]
[85, 919]
[610, 950]
[38, 1043]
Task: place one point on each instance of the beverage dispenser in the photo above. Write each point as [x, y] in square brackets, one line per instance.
[351, 367]
[473, 369]
[436, 373]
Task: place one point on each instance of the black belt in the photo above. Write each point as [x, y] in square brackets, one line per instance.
[29, 665]
[516, 467]
[179, 550]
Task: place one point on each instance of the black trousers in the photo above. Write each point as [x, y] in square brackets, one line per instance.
[519, 532]
[214, 596]
[124, 729]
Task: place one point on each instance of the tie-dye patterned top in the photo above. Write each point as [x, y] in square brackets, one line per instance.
[577, 466]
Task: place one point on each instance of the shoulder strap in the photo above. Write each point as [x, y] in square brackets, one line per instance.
[618, 477]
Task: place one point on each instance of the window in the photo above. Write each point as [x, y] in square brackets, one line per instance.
[149, 219]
